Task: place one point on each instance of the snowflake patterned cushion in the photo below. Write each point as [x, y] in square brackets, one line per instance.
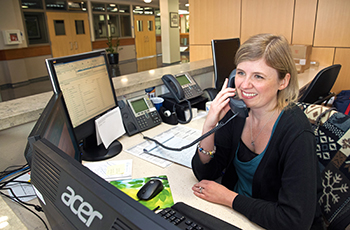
[332, 131]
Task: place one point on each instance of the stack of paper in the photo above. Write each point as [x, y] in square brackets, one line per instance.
[112, 170]
[175, 137]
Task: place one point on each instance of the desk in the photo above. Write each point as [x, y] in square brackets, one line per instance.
[181, 179]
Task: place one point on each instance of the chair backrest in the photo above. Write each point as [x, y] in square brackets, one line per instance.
[332, 132]
[224, 51]
[321, 85]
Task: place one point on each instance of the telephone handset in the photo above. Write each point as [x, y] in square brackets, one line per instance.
[237, 105]
[182, 86]
[139, 114]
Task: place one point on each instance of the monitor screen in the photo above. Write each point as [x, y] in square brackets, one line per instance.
[73, 197]
[224, 52]
[88, 91]
[54, 125]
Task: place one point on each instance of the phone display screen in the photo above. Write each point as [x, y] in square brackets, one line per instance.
[139, 105]
[183, 80]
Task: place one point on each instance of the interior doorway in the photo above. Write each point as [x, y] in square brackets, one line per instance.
[69, 33]
[145, 36]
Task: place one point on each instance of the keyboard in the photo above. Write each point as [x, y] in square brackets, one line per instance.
[189, 218]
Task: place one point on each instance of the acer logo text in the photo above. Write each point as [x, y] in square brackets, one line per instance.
[79, 207]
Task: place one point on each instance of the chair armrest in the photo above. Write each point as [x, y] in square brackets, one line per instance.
[324, 99]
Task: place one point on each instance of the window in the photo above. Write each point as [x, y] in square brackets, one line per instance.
[60, 28]
[35, 22]
[36, 27]
[77, 6]
[55, 5]
[100, 26]
[111, 20]
[157, 21]
[144, 10]
[32, 4]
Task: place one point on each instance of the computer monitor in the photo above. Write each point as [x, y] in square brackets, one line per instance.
[87, 89]
[73, 197]
[54, 125]
[224, 51]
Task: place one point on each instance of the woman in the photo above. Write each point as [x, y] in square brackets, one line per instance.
[268, 159]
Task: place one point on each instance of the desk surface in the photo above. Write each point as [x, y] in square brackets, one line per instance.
[181, 179]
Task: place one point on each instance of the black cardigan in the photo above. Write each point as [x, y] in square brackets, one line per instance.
[287, 180]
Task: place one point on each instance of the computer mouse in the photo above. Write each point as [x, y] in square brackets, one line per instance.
[150, 189]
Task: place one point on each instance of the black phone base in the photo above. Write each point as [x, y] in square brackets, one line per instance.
[198, 102]
[93, 152]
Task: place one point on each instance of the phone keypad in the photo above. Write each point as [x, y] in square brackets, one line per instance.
[144, 120]
[192, 91]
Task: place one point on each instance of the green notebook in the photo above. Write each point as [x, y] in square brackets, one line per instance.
[131, 186]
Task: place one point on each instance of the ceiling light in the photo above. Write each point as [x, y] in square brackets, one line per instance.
[147, 1]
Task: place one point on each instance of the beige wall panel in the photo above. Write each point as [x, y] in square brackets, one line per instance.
[304, 21]
[324, 56]
[268, 16]
[342, 56]
[35, 66]
[200, 52]
[214, 20]
[17, 71]
[333, 23]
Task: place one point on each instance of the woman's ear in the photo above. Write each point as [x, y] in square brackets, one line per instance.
[284, 82]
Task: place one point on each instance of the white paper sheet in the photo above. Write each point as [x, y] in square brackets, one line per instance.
[175, 137]
[111, 170]
[24, 191]
[109, 127]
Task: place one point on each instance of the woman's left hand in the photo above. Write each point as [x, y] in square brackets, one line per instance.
[214, 192]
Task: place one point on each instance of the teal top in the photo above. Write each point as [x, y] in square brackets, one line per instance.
[246, 170]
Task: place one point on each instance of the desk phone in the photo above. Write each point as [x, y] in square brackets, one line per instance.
[182, 86]
[139, 114]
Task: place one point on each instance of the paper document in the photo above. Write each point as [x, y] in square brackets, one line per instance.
[112, 170]
[137, 150]
[175, 137]
[109, 127]
[23, 191]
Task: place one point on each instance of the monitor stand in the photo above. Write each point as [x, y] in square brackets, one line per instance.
[93, 152]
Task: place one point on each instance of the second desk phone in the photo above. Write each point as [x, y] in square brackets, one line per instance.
[139, 114]
[182, 86]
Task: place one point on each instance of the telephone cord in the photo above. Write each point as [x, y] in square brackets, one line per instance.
[195, 141]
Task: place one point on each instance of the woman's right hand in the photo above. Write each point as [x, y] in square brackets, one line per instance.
[219, 106]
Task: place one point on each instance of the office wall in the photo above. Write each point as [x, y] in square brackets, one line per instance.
[21, 63]
[324, 24]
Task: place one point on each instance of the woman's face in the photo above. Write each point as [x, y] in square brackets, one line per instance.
[257, 84]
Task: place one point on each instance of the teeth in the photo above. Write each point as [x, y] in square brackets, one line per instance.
[249, 94]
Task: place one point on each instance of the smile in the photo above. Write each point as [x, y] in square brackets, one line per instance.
[248, 94]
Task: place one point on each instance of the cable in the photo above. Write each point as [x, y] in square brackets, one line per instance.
[190, 110]
[12, 173]
[9, 197]
[7, 172]
[22, 170]
[37, 207]
[195, 141]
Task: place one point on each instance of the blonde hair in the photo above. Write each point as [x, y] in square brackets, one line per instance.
[277, 54]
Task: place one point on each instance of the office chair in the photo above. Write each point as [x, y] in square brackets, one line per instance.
[318, 90]
[224, 51]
